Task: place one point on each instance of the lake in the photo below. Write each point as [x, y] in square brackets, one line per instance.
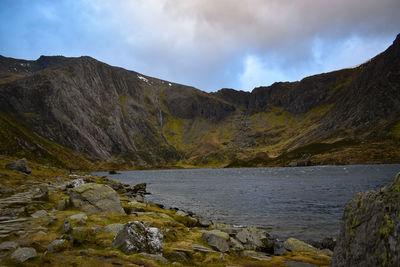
[302, 202]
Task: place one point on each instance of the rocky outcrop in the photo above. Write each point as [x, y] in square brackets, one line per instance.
[23, 254]
[134, 237]
[293, 244]
[20, 165]
[254, 239]
[370, 229]
[217, 239]
[94, 198]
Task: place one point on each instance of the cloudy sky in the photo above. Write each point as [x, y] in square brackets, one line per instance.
[209, 44]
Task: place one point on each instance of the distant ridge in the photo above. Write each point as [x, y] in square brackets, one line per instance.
[113, 115]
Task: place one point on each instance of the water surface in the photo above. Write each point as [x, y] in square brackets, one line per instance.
[304, 202]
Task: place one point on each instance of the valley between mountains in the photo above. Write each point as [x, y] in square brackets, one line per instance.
[85, 114]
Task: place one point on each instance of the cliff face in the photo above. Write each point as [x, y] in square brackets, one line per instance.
[104, 111]
[369, 234]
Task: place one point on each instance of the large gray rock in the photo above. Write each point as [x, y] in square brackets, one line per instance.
[23, 254]
[94, 198]
[370, 229]
[8, 245]
[254, 239]
[20, 165]
[217, 239]
[57, 245]
[293, 244]
[134, 237]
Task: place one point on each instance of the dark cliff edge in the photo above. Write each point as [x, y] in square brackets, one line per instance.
[109, 114]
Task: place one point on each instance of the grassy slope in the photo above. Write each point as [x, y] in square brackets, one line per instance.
[280, 135]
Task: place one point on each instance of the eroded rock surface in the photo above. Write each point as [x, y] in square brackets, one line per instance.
[134, 237]
[94, 198]
[369, 233]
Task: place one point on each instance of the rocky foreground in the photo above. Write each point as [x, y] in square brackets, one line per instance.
[50, 217]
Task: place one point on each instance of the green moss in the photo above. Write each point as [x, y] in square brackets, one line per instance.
[386, 226]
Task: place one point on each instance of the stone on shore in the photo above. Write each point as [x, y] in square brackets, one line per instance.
[293, 244]
[217, 240]
[19, 165]
[370, 229]
[95, 198]
[254, 239]
[23, 254]
[134, 237]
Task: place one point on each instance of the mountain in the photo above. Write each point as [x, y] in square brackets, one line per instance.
[56, 106]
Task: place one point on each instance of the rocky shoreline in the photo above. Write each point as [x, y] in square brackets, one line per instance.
[81, 219]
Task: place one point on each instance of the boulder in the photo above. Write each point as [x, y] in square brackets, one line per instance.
[370, 229]
[8, 245]
[79, 216]
[66, 226]
[134, 237]
[81, 235]
[113, 228]
[76, 183]
[254, 239]
[57, 245]
[20, 165]
[293, 244]
[94, 198]
[23, 254]
[204, 222]
[140, 189]
[41, 193]
[217, 240]
[235, 245]
[181, 213]
[39, 214]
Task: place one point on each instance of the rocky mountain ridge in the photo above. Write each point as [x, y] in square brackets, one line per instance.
[124, 117]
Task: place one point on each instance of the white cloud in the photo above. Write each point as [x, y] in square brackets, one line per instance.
[257, 73]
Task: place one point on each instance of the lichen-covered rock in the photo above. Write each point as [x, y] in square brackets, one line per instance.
[8, 245]
[217, 239]
[57, 245]
[94, 198]
[370, 229]
[66, 226]
[235, 245]
[134, 237]
[293, 244]
[39, 214]
[20, 165]
[78, 216]
[23, 254]
[254, 239]
[140, 189]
